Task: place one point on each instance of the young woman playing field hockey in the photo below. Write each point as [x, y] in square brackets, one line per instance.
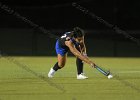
[73, 41]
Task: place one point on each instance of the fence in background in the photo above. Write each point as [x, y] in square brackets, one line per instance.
[27, 42]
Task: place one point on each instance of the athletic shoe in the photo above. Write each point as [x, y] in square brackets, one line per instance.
[81, 76]
[51, 73]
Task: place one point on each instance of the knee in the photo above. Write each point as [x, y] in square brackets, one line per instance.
[61, 65]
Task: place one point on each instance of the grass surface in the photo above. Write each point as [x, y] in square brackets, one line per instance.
[17, 82]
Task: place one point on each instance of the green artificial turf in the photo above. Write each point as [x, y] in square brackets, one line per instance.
[25, 78]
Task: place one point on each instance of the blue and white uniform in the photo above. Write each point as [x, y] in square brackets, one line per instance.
[61, 47]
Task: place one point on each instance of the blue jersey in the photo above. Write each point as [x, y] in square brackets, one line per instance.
[61, 47]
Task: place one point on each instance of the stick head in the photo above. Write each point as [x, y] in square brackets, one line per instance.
[108, 72]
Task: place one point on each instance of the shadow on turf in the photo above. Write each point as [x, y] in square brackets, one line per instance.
[126, 83]
[27, 68]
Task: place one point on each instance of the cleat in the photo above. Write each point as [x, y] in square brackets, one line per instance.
[82, 76]
[51, 73]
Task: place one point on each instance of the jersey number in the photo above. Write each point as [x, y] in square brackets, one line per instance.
[64, 36]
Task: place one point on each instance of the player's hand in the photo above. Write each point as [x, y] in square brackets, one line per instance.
[84, 54]
[93, 65]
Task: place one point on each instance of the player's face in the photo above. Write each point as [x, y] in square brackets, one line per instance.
[79, 39]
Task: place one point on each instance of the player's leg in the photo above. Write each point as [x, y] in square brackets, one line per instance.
[61, 55]
[58, 65]
[80, 74]
[79, 64]
[61, 62]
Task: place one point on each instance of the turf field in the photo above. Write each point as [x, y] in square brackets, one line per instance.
[17, 82]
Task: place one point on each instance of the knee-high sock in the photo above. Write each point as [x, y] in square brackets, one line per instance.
[79, 64]
[56, 67]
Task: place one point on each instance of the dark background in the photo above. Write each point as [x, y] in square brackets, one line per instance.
[58, 16]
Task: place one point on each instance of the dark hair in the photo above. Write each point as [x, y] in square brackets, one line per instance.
[78, 32]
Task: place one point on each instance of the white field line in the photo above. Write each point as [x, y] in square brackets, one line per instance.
[128, 71]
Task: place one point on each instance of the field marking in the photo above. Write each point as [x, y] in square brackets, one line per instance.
[129, 71]
[123, 72]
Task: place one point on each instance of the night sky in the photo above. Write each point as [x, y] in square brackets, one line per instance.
[60, 13]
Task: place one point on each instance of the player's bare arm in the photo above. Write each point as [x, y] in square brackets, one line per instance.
[83, 47]
[77, 53]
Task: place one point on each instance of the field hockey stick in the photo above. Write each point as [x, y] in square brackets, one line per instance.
[106, 73]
